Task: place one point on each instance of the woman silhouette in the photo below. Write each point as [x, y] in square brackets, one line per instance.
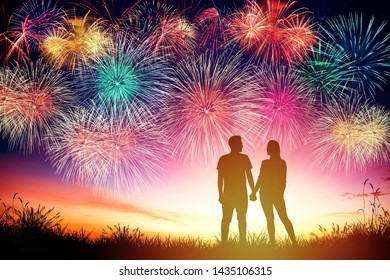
[272, 183]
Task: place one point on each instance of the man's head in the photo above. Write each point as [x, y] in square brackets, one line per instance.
[235, 144]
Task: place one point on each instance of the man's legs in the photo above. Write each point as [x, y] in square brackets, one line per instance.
[227, 213]
[241, 209]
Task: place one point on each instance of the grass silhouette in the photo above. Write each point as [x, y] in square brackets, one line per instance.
[36, 233]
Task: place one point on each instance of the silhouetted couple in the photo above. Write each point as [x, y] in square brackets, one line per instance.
[234, 169]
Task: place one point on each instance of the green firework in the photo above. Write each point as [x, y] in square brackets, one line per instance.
[117, 80]
[326, 71]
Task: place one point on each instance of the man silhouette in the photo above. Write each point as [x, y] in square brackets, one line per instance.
[233, 171]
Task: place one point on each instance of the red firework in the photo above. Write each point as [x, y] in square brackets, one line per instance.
[272, 33]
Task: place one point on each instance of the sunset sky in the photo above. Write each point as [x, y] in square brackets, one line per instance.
[185, 202]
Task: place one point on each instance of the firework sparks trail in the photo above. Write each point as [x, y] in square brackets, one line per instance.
[166, 31]
[111, 13]
[28, 25]
[326, 72]
[212, 29]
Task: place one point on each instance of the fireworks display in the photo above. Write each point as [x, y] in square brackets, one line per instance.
[128, 76]
[165, 30]
[326, 72]
[120, 90]
[212, 29]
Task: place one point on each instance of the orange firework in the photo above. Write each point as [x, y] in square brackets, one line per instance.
[75, 43]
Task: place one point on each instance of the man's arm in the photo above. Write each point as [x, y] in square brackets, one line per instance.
[250, 180]
[260, 178]
[251, 184]
[220, 186]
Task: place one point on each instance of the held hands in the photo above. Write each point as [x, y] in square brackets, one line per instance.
[252, 197]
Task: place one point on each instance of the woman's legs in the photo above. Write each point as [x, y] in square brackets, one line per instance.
[280, 206]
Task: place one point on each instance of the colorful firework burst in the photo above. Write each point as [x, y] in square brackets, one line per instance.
[366, 48]
[271, 32]
[211, 24]
[128, 76]
[248, 27]
[208, 107]
[75, 43]
[28, 25]
[325, 70]
[349, 135]
[165, 30]
[108, 149]
[33, 96]
[284, 105]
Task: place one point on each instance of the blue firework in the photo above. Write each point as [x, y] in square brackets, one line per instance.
[366, 49]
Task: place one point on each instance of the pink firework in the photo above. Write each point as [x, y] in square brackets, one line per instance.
[108, 150]
[285, 107]
[271, 32]
[208, 106]
[32, 96]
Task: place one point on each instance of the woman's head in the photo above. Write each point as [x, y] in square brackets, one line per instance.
[273, 148]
